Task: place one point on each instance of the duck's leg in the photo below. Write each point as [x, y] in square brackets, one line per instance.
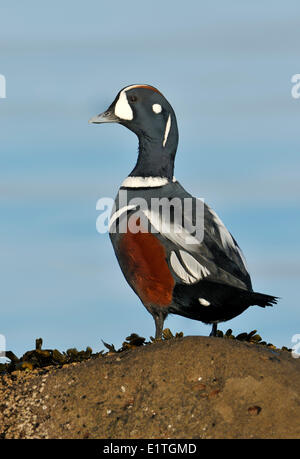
[214, 330]
[159, 323]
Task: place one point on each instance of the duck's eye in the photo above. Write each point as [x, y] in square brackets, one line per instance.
[132, 98]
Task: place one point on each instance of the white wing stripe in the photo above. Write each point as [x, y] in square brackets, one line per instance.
[242, 257]
[175, 233]
[180, 271]
[118, 213]
[195, 268]
[225, 236]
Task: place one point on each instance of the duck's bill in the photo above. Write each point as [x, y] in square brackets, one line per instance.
[105, 117]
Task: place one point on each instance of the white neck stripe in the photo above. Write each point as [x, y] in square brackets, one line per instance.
[167, 130]
[146, 182]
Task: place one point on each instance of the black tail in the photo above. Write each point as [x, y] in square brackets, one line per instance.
[226, 301]
[262, 300]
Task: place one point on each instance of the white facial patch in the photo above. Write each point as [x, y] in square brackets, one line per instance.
[156, 108]
[122, 107]
[167, 130]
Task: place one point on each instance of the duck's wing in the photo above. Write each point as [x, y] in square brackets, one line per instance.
[199, 246]
[222, 244]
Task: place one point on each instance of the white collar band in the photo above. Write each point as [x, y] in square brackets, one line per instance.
[145, 182]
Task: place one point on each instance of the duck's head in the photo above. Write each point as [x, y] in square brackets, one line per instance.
[145, 111]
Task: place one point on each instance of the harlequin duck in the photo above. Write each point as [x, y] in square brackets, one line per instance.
[173, 249]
